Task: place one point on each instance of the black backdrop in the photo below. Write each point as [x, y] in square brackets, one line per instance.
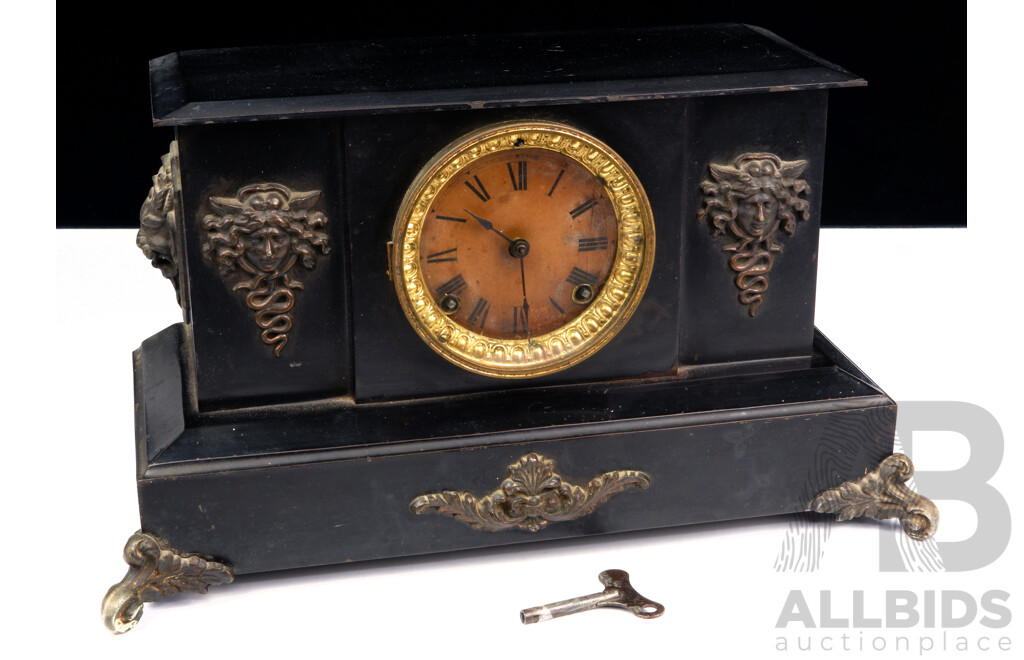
[896, 149]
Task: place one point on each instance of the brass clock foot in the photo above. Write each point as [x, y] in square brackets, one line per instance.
[882, 494]
[156, 571]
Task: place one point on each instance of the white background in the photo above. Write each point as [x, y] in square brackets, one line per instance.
[928, 314]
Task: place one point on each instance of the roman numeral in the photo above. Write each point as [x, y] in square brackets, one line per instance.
[555, 184]
[450, 218]
[591, 244]
[556, 305]
[579, 276]
[519, 321]
[452, 286]
[479, 314]
[444, 255]
[482, 193]
[518, 183]
[583, 208]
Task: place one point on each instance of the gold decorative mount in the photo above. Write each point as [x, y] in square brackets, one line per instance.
[256, 238]
[157, 570]
[158, 225]
[746, 203]
[532, 496]
[881, 494]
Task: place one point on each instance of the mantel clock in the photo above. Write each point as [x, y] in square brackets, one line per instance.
[456, 304]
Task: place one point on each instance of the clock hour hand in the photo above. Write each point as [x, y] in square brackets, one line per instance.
[518, 248]
[487, 224]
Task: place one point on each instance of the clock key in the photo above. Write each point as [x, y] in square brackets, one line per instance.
[618, 592]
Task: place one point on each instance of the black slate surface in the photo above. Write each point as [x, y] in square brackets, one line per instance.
[469, 71]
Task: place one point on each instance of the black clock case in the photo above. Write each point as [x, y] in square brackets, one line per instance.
[313, 457]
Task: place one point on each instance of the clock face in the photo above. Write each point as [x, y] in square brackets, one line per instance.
[522, 249]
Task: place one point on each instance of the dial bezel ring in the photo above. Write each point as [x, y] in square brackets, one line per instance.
[568, 344]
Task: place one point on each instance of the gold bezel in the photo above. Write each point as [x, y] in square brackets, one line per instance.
[572, 342]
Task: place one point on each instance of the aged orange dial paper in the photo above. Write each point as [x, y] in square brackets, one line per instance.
[508, 242]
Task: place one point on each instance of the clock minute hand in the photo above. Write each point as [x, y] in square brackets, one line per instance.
[526, 305]
[487, 224]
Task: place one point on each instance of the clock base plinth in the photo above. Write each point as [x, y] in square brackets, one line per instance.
[288, 486]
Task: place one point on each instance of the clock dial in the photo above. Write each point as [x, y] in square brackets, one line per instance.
[532, 201]
[522, 249]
